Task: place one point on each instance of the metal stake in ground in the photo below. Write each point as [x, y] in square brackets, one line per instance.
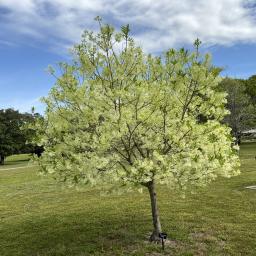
[163, 236]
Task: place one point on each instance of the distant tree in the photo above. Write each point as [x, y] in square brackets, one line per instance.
[12, 137]
[250, 85]
[121, 117]
[30, 134]
[242, 110]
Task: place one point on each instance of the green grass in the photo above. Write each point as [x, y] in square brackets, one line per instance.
[39, 217]
[16, 160]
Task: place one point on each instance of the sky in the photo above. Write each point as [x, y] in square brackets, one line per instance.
[38, 33]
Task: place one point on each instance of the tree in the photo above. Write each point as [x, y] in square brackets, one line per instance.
[30, 133]
[13, 134]
[12, 138]
[121, 117]
[250, 85]
[242, 111]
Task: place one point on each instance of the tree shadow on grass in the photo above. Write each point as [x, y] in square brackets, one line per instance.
[16, 162]
[76, 234]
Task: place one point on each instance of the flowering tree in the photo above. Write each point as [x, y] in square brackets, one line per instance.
[118, 116]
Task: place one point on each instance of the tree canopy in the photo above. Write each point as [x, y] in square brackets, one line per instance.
[119, 116]
[250, 85]
[240, 103]
[12, 137]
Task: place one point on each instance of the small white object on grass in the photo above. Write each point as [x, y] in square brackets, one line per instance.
[251, 187]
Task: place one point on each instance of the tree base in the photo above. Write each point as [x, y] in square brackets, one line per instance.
[154, 238]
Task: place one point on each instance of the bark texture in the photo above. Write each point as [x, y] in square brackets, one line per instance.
[155, 215]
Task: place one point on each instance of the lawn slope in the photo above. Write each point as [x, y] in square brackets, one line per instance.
[41, 218]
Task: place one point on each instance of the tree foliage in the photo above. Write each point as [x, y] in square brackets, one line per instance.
[240, 104]
[12, 137]
[250, 85]
[119, 116]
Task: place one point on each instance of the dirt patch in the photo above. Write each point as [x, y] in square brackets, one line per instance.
[203, 237]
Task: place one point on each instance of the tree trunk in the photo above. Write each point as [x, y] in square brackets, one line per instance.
[1, 160]
[238, 140]
[155, 216]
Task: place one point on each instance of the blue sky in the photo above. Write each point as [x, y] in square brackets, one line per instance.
[36, 33]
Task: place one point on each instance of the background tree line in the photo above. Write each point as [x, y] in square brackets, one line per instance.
[241, 102]
[14, 136]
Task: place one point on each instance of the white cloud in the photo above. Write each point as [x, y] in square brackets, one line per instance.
[6, 42]
[157, 24]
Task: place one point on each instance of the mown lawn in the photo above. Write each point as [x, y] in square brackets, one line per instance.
[39, 217]
[15, 161]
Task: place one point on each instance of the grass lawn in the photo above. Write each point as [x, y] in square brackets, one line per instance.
[39, 217]
[16, 161]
